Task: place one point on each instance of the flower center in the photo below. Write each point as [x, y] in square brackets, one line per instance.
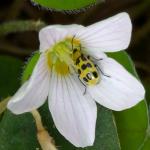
[61, 68]
[59, 56]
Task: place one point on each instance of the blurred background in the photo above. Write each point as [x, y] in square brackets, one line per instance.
[21, 45]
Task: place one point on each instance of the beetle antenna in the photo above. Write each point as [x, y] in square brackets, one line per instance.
[72, 41]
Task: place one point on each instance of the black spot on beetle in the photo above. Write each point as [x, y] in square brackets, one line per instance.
[83, 67]
[74, 50]
[83, 57]
[88, 57]
[95, 74]
[85, 79]
[89, 65]
[77, 61]
[79, 71]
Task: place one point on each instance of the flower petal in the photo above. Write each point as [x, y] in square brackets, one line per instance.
[119, 91]
[34, 92]
[110, 35]
[49, 35]
[74, 114]
[96, 55]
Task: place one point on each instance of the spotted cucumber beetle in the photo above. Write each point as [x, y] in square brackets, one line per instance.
[88, 72]
[86, 69]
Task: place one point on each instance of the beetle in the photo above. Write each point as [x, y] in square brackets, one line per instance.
[88, 72]
[86, 69]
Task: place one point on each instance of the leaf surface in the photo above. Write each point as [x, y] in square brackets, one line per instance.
[132, 123]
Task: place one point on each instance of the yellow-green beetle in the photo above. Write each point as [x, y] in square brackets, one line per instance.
[85, 67]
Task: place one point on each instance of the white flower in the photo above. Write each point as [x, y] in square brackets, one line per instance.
[74, 113]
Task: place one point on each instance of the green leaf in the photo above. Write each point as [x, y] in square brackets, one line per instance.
[147, 87]
[133, 123]
[3, 104]
[106, 135]
[30, 66]
[18, 131]
[146, 143]
[65, 4]
[10, 69]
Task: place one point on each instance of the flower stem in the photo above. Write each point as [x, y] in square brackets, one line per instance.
[20, 26]
[3, 104]
[45, 140]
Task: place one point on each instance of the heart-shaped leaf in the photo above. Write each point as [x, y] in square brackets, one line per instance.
[66, 5]
[133, 123]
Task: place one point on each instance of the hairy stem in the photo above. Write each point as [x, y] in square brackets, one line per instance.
[45, 140]
[20, 26]
[8, 48]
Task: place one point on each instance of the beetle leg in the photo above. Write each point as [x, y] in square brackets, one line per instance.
[102, 71]
[84, 90]
[83, 84]
[95, 59]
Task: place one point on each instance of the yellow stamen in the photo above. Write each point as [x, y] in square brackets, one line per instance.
[60, 55]
[61, 67]
[49, 59]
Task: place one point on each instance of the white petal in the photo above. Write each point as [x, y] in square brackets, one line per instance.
[74, 114]
[49, 35]
[110, 35]
[34, 92]
[119, 91]
[96, 55]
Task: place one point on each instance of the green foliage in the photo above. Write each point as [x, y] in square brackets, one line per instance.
[147, 87]
[17, 132]
[29, 67]
[3, 105]
[133, 123]
[10, 69]
[65, 4]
